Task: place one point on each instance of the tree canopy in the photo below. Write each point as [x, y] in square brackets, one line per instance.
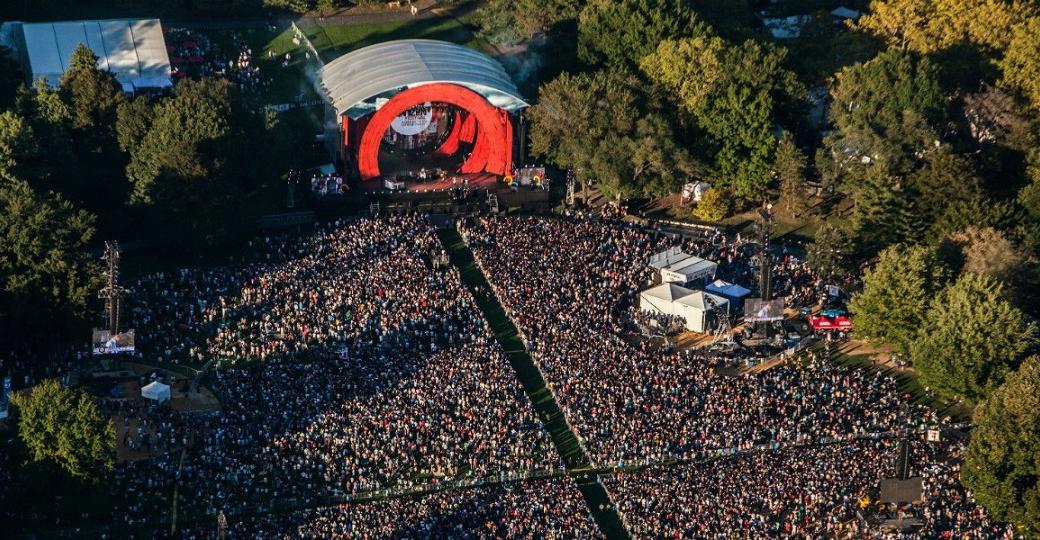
[584, 121]
[896, 294]
[1002, 462]
[66, 427]
[619, 33]
[970, 339]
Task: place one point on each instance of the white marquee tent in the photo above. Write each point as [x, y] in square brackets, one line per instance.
[132, 49]
[661, 299]
[693, 306]
[696, 307]
[677, 266]
[156, 391]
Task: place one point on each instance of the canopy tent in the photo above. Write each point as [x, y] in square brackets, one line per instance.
[700, 308]
[730, 291]
[156, 391]
[827, 323]
[134, 50]
[677, 266]
[661, 299]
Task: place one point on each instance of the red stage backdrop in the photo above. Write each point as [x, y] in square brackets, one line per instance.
[492, 151]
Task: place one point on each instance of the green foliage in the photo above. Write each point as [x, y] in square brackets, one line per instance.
[67, 428]
[585, 121]
[48, 104]
[620, 32]
[943, 179]
[92, 95]
[1021, 63]
[44, 264]
[732, 93]
[789, 165]
[1002, 462]
[978, 211]
[896, 295]
[885, 108]
[970, 339]
[713, 206]
[17, 141]
[511, 21]
[133, 119]
[831, 251]
[883, 213]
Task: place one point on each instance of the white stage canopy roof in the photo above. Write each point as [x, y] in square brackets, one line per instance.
[132, 49]
[359, 82]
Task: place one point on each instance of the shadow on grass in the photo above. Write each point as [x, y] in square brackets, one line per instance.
[545, 404]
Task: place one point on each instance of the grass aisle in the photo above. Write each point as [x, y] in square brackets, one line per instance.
[544, 403]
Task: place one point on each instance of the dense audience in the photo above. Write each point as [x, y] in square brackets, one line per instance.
[571, 285]
[351, 365]
[548, 509]
[815, 492]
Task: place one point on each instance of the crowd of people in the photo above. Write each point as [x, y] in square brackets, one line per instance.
[548, 509]
[193, 54]
[348, 364]
[351, 361]
[571, 286]
[828, 491]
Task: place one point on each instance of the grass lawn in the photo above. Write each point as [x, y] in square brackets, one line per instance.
[334, 40]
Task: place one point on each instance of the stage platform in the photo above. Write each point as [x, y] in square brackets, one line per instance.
[476, 181]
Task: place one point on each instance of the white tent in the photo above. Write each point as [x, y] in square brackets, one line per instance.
[695, 308]
[134, 50]
[689, 270]
[661, 299]
[156, 391]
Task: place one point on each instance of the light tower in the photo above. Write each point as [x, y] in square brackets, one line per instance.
[113, 292]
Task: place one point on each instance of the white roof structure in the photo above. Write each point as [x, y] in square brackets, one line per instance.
[695, 308]
[132, 49]
[689, 269]
[702, 301]
[661, 299]
[360, 81]
[156, 391]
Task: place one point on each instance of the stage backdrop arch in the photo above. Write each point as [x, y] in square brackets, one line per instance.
[492, 150]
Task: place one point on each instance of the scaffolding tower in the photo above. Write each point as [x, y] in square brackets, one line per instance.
[113, 292]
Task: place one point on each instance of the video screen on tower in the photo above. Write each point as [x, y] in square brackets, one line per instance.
[105, 343]
[757, 310]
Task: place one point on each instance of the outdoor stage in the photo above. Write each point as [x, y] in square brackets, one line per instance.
[481, 181]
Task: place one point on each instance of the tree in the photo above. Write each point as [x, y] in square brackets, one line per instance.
[620, 32]
[943, 179]
[884, 108]
[970, 339]
[830, 252]
[1021, 63]
[45, 269]
[67, 428]
[928, 26]
[732, 93]
[978, 211]
[985, 251]
[883, 213]
[133, 119]
[896, 294]
[91, 94]
[1002, 461]
[790, 169]
[690, 69]
[510, 21]
[713, 206]
[17, 140]
[658, 162]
